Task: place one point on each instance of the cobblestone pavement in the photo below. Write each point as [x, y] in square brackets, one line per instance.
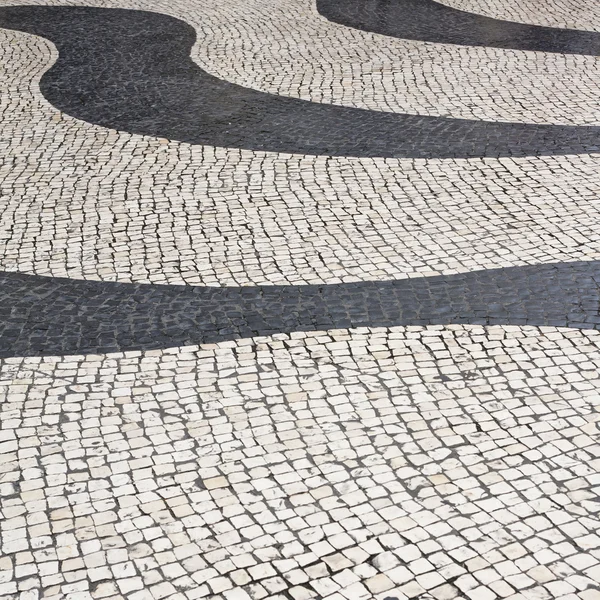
[299, 300]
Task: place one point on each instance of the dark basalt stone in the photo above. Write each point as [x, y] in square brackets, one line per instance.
[430, 21]
[130, 70]
[45, 316]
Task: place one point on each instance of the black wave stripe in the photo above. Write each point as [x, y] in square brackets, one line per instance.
[430, 21]
[46, 316]
[131, 70]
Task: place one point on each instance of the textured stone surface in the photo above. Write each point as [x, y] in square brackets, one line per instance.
[130, 71]
[41, 316]
[371, 464]
[431, 21]
[233, 373]
[578, 14]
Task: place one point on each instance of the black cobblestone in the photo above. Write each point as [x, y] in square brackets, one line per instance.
[131, 71]
[50, 316]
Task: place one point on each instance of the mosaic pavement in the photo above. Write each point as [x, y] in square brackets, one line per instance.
[299, 300]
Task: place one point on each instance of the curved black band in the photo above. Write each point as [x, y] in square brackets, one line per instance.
[45, 316]
[130, 70]
[430, 21]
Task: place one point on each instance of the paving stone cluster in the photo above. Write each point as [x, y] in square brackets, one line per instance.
[47, 316]
[432, 21]
[130, 70]
[412, 463]
[234, 370]
[578, 14]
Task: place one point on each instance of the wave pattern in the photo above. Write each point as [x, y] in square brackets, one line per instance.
[383, 444]
[430, 21]
[131, 71]
[51, 316]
